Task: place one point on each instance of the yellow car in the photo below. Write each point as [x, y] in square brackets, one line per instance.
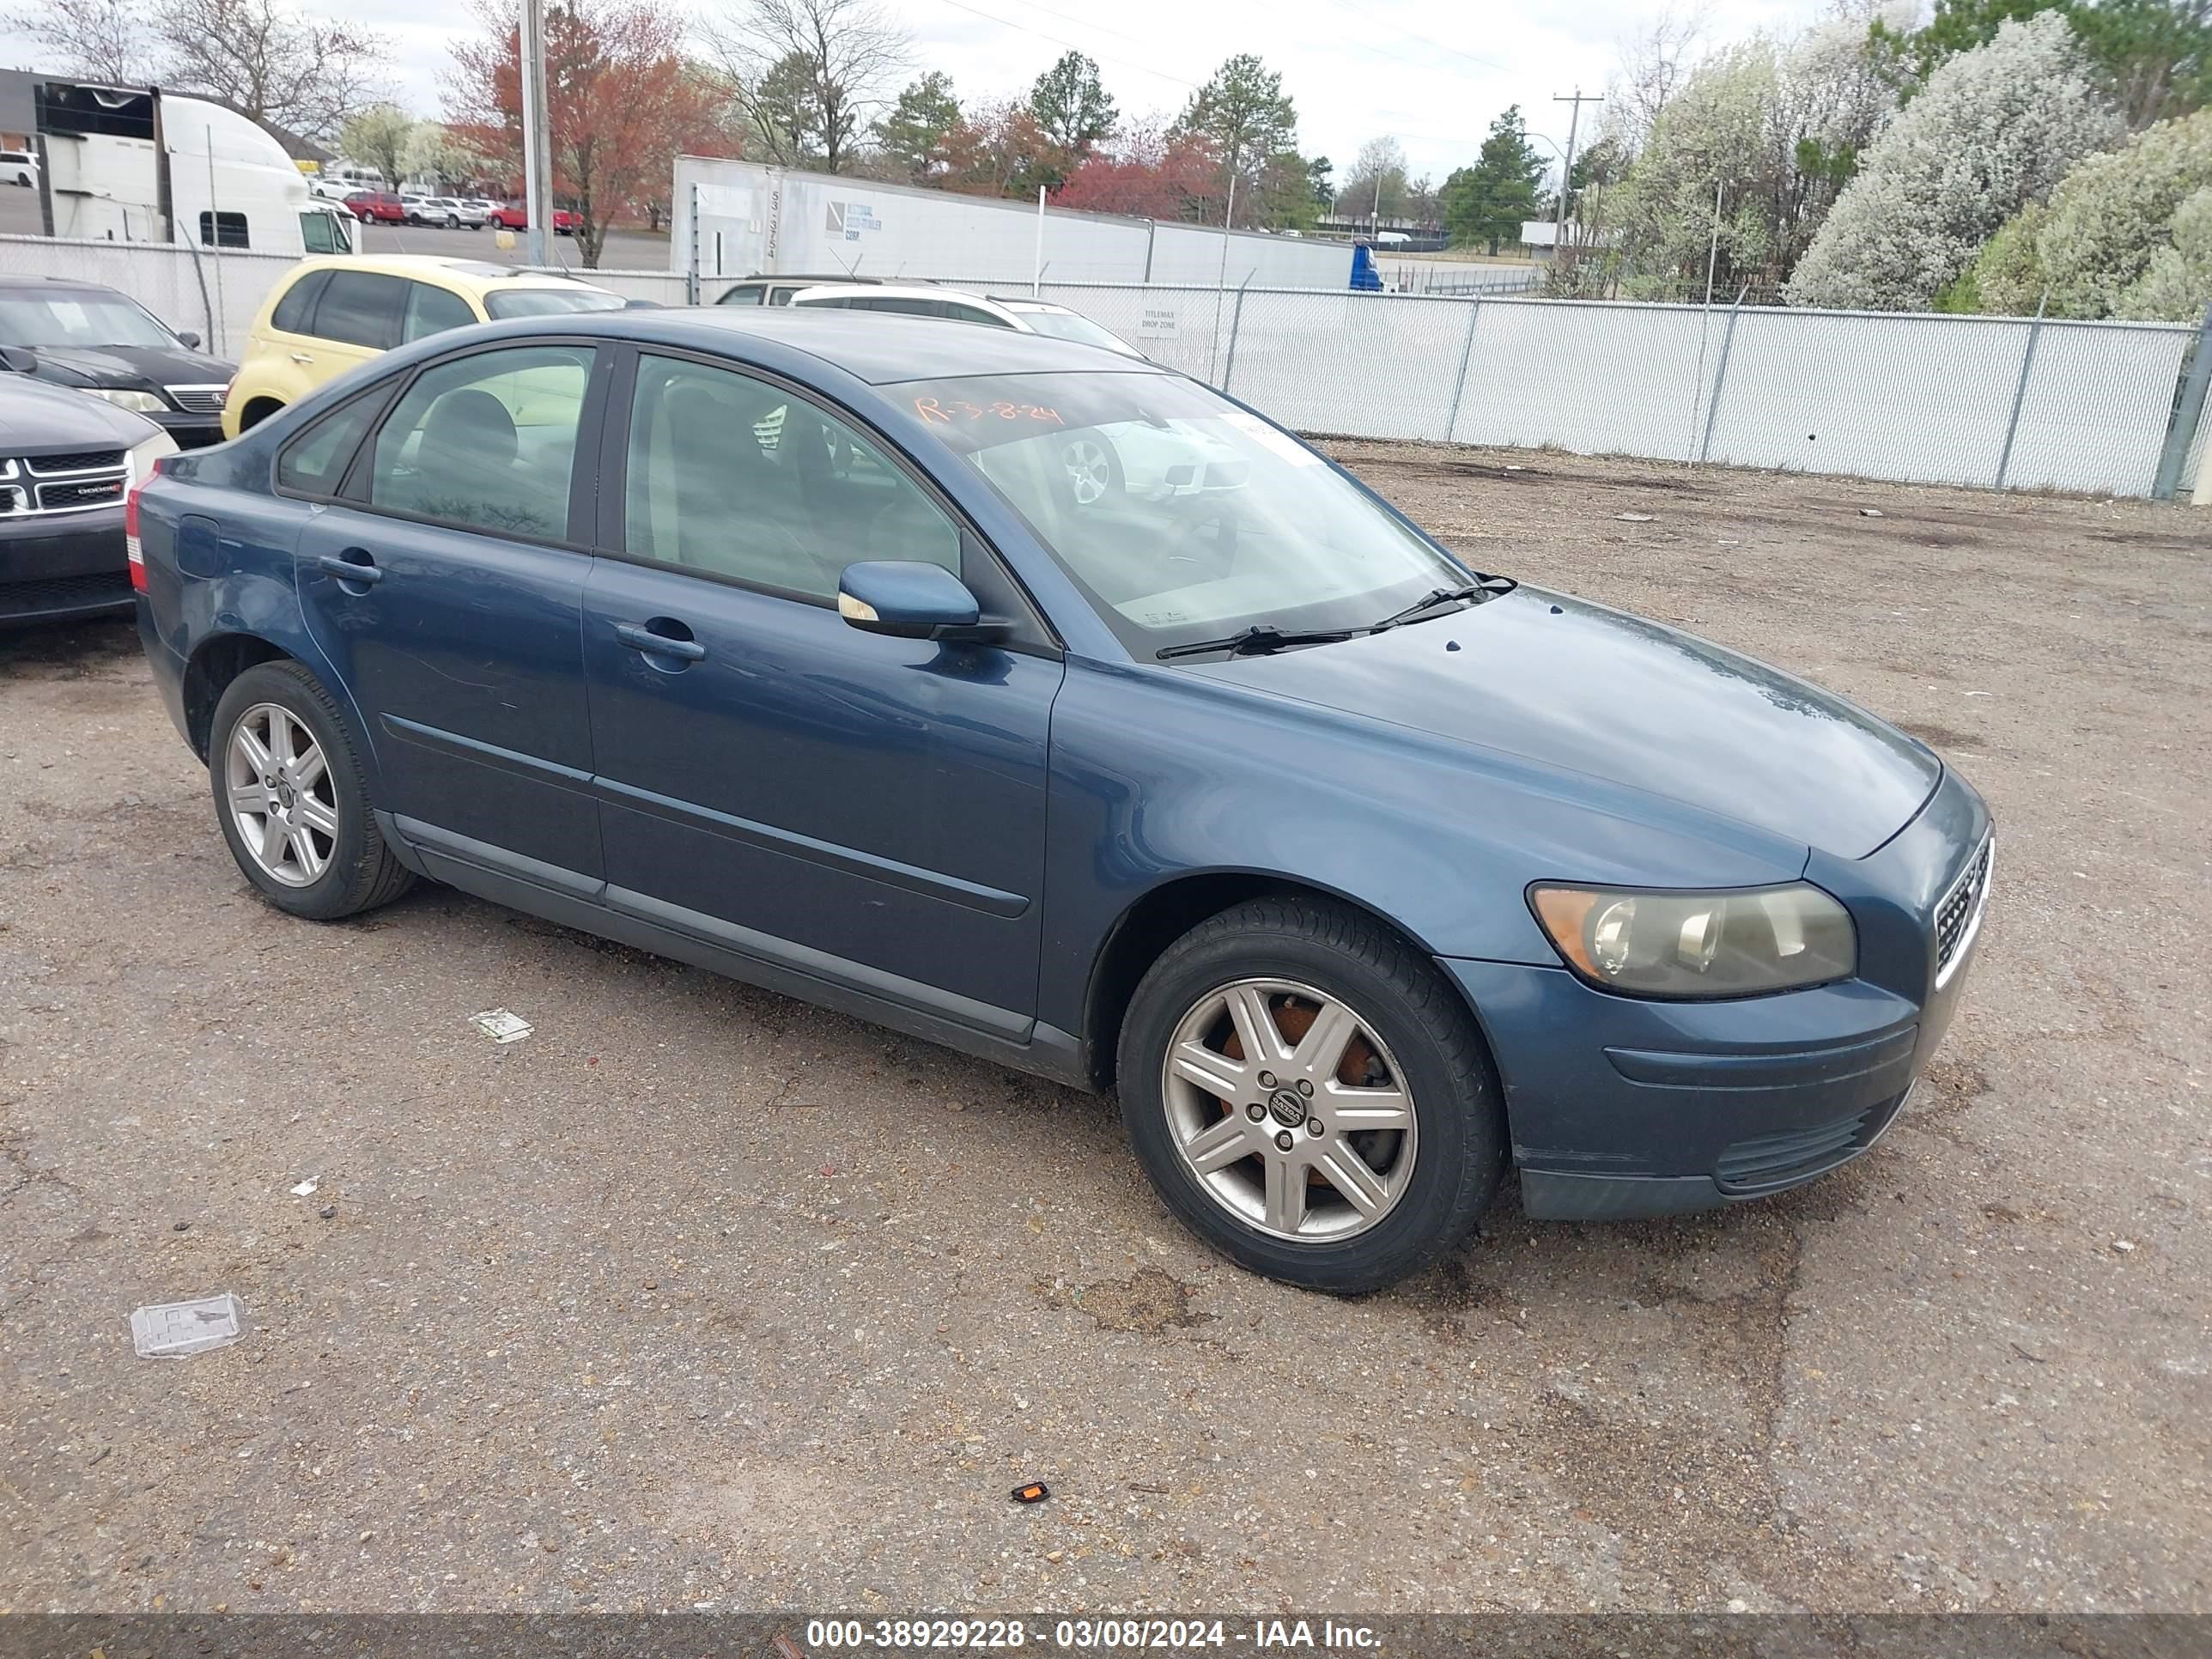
[326, 315]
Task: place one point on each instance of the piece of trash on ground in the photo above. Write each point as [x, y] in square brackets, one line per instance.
[1634, 518]
[500, 1025]
[1033, 1491]
[170, 1330]
[1869, 513]
[303, 1189]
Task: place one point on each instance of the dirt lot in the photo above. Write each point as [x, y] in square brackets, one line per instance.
[697, 1296]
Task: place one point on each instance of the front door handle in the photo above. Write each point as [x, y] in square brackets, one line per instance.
[303, 356]
[360, 568]
[659, 638]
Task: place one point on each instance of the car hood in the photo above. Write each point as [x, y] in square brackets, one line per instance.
[1568, 684]
[42, 419]
[130, 366]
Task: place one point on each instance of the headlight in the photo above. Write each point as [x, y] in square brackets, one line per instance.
[147, 453]
[123, 398]
[1693, 944]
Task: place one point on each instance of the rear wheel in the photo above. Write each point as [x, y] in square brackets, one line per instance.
[1310, 1096]
[292, 797]
[1094, 469]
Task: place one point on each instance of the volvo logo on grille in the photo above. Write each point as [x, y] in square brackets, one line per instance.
[1287, 1108]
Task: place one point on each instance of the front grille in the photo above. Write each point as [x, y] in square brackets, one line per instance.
[92, 492]
[198, 399]
[1959, 915]
[52, 593]
[77, 461]
[1773, 1162]
[75, 482]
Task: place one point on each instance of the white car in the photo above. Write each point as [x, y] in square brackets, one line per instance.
[1103, 463]
[451, 211]
[1028, 316]
[19, 167]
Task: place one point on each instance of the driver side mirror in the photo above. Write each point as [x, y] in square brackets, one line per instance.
[19, 360]
[191, 339]
[911, 599]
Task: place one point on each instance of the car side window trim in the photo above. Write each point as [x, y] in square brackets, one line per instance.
[1033, 634]
[583, 483]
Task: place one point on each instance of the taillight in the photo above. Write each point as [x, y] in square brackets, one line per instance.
[132, 547]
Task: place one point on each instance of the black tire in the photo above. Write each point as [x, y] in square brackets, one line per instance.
[1458, 1109]
[362, 874]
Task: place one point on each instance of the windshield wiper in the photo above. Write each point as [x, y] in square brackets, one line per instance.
[1260, 637]
[1489, 587]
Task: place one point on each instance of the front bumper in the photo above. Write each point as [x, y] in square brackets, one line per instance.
[1620, 1107]
[63, 566]
[190, 429]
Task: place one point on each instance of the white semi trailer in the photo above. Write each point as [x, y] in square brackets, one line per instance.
[758, 220]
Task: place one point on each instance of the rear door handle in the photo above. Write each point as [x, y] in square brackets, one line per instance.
[654, 643]
[361, 569]
[303, 356]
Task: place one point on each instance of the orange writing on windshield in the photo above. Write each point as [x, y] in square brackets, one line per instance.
[953, 411]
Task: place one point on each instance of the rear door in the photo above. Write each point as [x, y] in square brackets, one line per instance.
[444, 584]
[357, 317]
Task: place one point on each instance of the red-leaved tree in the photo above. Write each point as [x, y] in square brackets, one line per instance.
[1144, 173]
[621, 99]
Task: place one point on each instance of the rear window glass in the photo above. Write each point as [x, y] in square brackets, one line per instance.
[314, 463]
[548, 301]
[360, 308]
[298, 304]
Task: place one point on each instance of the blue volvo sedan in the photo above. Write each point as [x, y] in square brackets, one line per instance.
[1053, 707]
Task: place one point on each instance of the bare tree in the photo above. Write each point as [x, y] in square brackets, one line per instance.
[93, 39]
[804, 71]
[1655, 62]
[272, 64]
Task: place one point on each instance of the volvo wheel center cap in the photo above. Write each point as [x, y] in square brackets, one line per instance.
[1287, 1106]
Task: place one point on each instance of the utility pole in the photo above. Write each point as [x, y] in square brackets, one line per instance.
[1567, 171]
[536, 138]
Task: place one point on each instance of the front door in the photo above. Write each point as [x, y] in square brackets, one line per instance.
[868, 811]
[443, 593]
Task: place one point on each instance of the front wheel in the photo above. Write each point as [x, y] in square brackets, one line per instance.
[1310, 1096]
[292, 797]
[1094, 469]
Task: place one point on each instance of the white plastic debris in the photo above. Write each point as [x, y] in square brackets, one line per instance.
[303, 1189]
[170, 1330]
[1869, 513]
[1634, 518]
[500, 1025]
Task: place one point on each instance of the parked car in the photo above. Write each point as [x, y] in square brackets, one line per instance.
[96, 340]
[514, 215]
[379, 204]
[1362, 875]
[67, 463]
[758, 291]
[456, 212]
[20, 167]
[331, 190]
[481, 208]
[325, 316]
[1025, 315]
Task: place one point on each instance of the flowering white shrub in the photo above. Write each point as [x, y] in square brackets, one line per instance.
[2177, 284]
[2113, 213]
[1994, 128]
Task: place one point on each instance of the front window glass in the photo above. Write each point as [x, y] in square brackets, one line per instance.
[548, 301]
[488, 440]
[1067, 326]
[1182, 517]
[735, 476]
[84, 318]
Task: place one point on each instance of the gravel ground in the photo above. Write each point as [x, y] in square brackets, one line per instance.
[698, 1296]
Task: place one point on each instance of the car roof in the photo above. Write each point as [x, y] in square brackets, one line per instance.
[808, 279]
[58, 285]
[475, 275]
[919, 348]
[889, 291]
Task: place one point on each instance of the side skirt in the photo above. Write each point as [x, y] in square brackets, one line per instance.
[848, 987]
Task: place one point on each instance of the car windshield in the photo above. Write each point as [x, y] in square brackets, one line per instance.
[77, 320]
[548, 301]
[1067, 326]
[1182, 517]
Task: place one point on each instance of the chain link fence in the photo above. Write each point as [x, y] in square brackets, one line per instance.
[1992, 402]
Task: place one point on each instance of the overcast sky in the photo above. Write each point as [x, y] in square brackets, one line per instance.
[1433, 76]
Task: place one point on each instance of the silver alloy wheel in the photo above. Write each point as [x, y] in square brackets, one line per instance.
[1254, 1091]
[1089, 470]
[283, 802]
